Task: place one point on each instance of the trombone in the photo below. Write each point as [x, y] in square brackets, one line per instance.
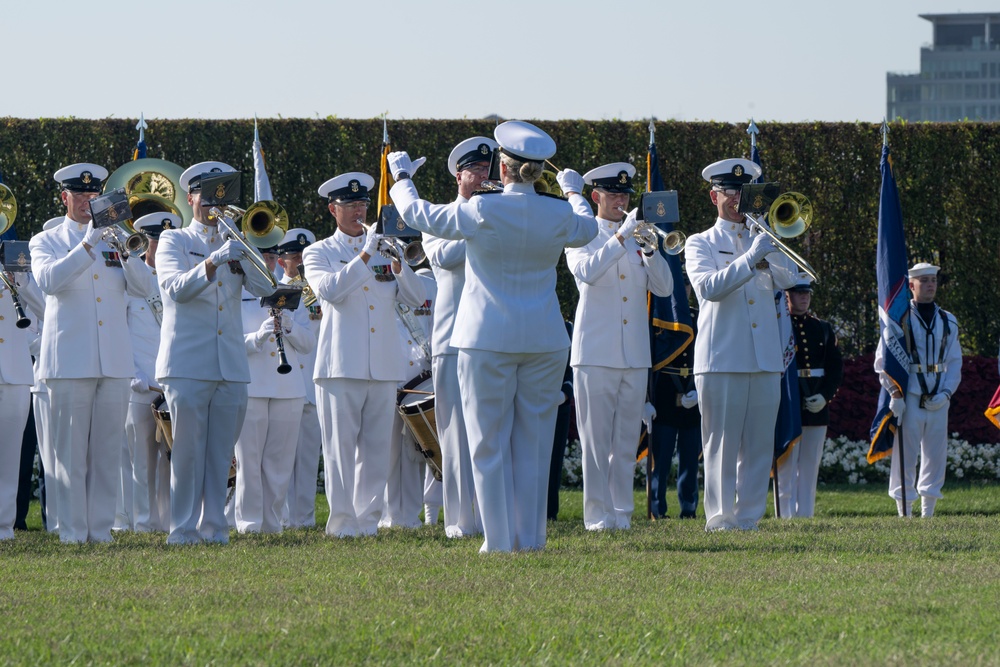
[791, 213]
[264, 225]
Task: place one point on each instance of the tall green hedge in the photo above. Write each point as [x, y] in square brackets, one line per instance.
[947, 175]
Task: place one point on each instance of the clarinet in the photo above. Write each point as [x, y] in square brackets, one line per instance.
[23, 322]
[283, 366]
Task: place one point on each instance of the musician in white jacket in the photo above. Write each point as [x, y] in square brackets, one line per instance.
[509, 332]
[202, 363]
[359, 360]
[738, 353]
[86, 355]
[610, 354]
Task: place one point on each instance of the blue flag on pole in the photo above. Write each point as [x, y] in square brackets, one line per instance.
[788, 427]
[893, 306]
[671, 330]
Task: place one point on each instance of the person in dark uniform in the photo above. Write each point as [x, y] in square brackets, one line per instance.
[821, 369]
[560, 438]
[676, 426]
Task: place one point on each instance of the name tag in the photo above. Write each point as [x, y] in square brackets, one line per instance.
[725, 252]
[196, 254]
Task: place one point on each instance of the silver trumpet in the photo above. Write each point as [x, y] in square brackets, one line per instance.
[646, 234]
[396, 249]
[125, 244]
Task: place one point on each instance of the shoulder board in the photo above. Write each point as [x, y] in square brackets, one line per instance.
[486, 192]
[549, 194]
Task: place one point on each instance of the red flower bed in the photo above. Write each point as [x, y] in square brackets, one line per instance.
[853, 409]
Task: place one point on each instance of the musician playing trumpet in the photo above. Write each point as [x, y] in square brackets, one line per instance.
[738, 352]
[359, 359]
[610, 355]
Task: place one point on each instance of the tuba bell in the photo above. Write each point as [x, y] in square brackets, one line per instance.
[152, 186]
[8, 208]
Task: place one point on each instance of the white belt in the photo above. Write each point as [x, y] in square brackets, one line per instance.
[811, 372]
[929, 368]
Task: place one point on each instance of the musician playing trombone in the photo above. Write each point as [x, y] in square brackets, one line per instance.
[610, 355]
[359, 359]
[202, 363]
[738, 352]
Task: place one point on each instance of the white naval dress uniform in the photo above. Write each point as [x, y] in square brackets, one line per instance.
[300, 503]
[265, 450]
[458, 492]
[610, 357]
[358, 364]
[512, 343]
[150, 465]
[43, 429]
[738, 364]
[404, 489]
[202, 366]
[16, 379]
[925, 431]
[86, 362]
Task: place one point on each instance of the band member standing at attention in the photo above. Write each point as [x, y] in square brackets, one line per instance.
[610, 353]
[265, 449]
[508, 329]
[202, 363]
[150, 465]
[821, 369]
[300, 503]
[935, 372]
[359, 360]
[86, 355]
[737, 355]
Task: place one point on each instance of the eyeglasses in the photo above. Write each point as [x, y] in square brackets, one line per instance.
[729, 192]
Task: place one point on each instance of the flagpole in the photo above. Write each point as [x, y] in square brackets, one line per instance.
[774, 478]
[902, 468]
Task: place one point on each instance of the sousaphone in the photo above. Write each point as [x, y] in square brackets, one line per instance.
[152, 186]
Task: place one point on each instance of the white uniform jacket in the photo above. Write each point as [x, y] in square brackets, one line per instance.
[307, 360]
[509, 300]
[416, 361]
[926, 353]
[15, 353]
[202, 319]
[265, 380]
[358, 336]
[737, 318]
[145, 333]
[447, 260]
[87, 331]
[610, 328]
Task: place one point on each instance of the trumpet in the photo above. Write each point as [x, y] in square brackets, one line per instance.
[646, 234]
[261, 222]
[791, 214]
[133, 245]
[395, 249]
[308, 296]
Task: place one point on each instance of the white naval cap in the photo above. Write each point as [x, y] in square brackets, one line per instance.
[81, 177]
[470, 151]
[154, 224]
[803, 283]
[296, 240]
[923, 269]
[732, 172]
[352, 186]
[191, 178]
[614, 177]
[53, 222]
[523, 141]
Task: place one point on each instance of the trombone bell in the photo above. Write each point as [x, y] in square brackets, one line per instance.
[265, 223]
[790, 214]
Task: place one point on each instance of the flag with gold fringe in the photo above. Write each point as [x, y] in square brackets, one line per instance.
[993, 409]
[384, 177]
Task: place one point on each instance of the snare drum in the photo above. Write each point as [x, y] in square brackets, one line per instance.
[415, 403]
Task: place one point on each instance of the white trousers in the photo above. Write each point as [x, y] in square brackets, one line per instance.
[355, 417]
[150, 470]
[738, 413]
[404, 488]
[924, 432]
[458, 490]
[206, 417]
[265, 455]
[300, 505]
[88, 423]
[510, 402]
[798, 473]
[609, 403]
[13, 417]
[124, 518]
[47, 453]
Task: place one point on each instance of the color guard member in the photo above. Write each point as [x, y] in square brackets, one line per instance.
[359, 360]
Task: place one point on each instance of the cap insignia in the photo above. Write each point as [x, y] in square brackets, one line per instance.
[484, 149]
[301, 238]
[355, 185]
[86, 177]
[738, 170]
[623, 177]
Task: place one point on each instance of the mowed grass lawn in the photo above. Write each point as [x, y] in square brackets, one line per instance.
[856, 585]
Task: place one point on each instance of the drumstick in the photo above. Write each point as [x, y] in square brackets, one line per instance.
[416, 391]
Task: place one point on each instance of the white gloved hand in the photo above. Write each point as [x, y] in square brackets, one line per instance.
[229, 252]
[629, 224]
[815, 403]
[648, 415]
[140, 382]
[372, 239]
[93, 235]
[762, 245]
[569, 181]
[265, 331]
[936, 402]
[690, 399]
[416, 164]
[897, 406]
[399, 161]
